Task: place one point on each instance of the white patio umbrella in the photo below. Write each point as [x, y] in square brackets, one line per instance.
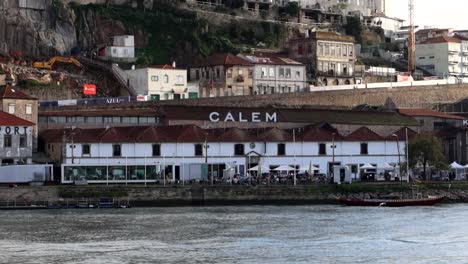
[367, 167]
[262, 168]
[385, 166]
[456, 166]
[284, 168]
[310, 168]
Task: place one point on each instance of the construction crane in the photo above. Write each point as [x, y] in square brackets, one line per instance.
[411, 39]
[50, 63]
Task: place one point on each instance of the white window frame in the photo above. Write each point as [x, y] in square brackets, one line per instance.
[28, 109]
[11, 108]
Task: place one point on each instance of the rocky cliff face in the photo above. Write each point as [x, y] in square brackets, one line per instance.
[40, 30]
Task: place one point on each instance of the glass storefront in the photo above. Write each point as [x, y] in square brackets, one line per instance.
[133, 173]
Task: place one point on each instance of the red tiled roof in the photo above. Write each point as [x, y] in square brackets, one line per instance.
[401, 133]
[152, 134]
[8, 92]
[165, 67]
[276, 135]
[7, 119]
[269, 58]
[427, 112]
[363, 134]
[192, 133]
[442, 39]
[226, 59]
[320, 133]
[427, 30]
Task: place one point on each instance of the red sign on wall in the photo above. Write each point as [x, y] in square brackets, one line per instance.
[89, 89]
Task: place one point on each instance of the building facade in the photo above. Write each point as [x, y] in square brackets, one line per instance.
[443, 56]
[162, 82]
[21, 105]
[122, 49]
[274, 73]
[329, 57]
[182, 153]
[16, 140]
[223, 75]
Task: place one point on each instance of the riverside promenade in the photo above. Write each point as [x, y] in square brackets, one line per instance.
[153, 195]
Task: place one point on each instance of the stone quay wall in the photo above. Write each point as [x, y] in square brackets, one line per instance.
[214, 195]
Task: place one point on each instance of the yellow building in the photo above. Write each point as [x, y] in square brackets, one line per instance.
[223, 75]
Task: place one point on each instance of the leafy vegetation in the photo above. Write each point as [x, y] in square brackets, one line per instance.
[31, 83]
[426, 150]
[173, 33]
[353, 28]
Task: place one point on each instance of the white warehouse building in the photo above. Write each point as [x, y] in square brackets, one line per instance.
[183, 153]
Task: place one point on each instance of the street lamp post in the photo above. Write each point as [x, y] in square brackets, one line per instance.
[399, 160]
[294, 148]
[205, 146]
[333, 146]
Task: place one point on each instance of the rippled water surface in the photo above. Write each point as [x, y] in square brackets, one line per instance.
[254, 234]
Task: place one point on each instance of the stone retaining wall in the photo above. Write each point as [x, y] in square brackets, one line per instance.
[407, 97]
[206, 195]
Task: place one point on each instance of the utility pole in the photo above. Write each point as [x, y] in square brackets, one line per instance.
[411, 39]
[333, 156]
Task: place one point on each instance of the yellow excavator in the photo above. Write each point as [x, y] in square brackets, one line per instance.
[50, 63]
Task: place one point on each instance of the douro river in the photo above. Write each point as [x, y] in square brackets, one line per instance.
[247, 234]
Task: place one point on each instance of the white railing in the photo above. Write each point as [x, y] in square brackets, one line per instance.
[448, 81]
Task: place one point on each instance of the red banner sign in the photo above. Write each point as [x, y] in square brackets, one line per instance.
[89, 89]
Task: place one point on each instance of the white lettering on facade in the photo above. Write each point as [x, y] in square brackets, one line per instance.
[270, 118]
[229, 117]
[214, 117]
[255, 117]
[465, 122]
[13, 130]
[240, 118]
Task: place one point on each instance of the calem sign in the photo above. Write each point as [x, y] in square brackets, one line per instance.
[255, 117]
[89, 89]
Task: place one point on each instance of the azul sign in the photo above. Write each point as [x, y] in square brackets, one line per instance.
[255, 117]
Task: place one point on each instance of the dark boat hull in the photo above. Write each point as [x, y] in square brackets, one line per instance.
[389, 202]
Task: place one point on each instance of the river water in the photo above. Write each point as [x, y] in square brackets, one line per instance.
[247, 234]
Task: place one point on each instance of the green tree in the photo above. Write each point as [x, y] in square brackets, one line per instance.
[353, 28]
[293, 8]
[426, 150]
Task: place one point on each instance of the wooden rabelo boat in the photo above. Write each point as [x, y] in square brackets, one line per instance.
[390, 202]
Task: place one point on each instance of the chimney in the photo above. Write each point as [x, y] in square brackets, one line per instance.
[173, 64]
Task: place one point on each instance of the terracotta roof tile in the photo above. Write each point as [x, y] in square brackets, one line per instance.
[8, 92]
[275, 135]
[165, 67]
[269, 58]
[442, 39]
[7, 119]
[226, 59]
[363, 134]
[192, 133]
[401, 133]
